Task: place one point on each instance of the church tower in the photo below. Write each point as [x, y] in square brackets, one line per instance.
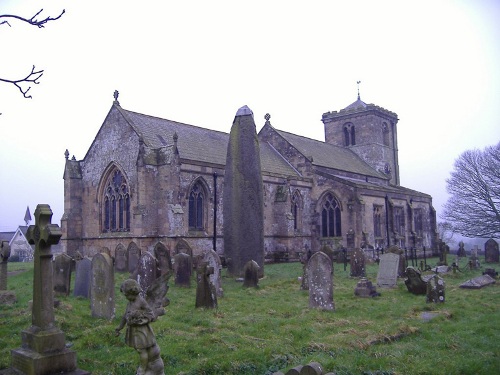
[370, 132]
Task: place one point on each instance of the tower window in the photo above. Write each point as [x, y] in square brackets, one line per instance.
[349, 134]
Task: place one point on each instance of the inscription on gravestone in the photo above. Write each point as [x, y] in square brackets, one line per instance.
[62, 274]
[320, 277]
[102, 291]
[388, 270]
[147, 271]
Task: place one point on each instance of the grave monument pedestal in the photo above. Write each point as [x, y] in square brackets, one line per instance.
[43, 350]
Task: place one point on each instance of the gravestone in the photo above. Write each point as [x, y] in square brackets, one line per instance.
[402, 259]
[133, 255]
[43, 349]
[243, 199]
[251, 274]
[491, 252]
[474, 260]
[163, 257]
[121, 261]
[206, 295]
[82, 278]
[213, 260]
[388, 270]
[147, 271]
[478, 282]
[435, 289]
[415, 282]
[61, 267]
[461, 250]
[183, 267]
[365, 288]
[6, 297]
[358, 263]
[320, 277]
[102, 289]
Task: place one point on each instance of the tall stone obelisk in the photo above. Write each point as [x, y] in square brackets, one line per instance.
[243, 196]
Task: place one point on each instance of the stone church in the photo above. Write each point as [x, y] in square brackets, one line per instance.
[149, 184]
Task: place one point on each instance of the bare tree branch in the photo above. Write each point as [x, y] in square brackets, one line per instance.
[30, 78]
[32, 21]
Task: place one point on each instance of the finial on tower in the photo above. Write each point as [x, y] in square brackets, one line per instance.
[115, 95]
[358, 82]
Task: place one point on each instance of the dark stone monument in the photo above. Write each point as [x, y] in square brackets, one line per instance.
[206, 295]
[43, 349]
[435, 289]
[6, 297]
[365, 288]
[243, 196]
[133, 255]
[491, 252]
[213, 260]
[102, 290]
[183, 268]
[147, 271]
[163, 257]
[82, 278]
[415, 282]
[461, 250]
[121, 261]
[61, 267]
[388, 270]
[251, 274]
[478, 282]
[358, 262]
[320, 276]
[491, 272]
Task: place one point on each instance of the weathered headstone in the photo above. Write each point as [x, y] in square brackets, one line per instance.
[82, 278]
[388, 270]
[43, 349]
[133, 254]
[7, 297]
[163, 257]
[435, 289]
[243, 204]
[415, 282]
[213, 260]
[313, 368]
[147, 271]
[365, 288]
[491, 252]
[402, 259]
[320, 276]
[121, 261]
[478, 282]
[251, 274]
[183, 267]
[358, 261]
[205, 291]
[102, 290]
[61, 267]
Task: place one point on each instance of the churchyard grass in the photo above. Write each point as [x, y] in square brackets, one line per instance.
[259, 331]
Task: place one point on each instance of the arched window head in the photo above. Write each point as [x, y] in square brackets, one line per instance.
[196, 207]
[116, 203]
[330, 217]
[349, 134]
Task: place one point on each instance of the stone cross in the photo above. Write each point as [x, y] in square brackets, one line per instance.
[43, 234]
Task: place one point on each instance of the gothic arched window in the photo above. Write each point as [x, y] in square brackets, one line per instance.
[116, 204]
[296, 210]
[330, 217]
[196, 207]
[349, 134]
[377, 221]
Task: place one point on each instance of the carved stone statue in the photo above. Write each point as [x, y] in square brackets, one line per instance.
[140, 312]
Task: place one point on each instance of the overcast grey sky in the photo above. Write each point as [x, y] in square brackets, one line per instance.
[434, 63]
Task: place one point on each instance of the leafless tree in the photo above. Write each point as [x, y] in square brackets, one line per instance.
[445, 231]
[24, 83]
[473, 209]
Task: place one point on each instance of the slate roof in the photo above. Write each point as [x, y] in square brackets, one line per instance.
[6, 236]
[199, 144]
[330, 156]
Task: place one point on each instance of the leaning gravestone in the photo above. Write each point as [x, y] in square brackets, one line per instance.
[213, 260]
[102, 290]
[251, 274]
[43, 349]
[388, 270]
[121, 261]
[183, 267]
[62, 274]
[320, 277]
[478, 282]
[82, 278]
[243, 205]
[163, 257]
[491, 252]
[358, 263]
[146, 272]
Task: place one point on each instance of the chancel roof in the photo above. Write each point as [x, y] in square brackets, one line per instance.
[199, 144]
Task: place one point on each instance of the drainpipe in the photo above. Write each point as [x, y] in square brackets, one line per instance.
[387, 220]
[215, 212]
